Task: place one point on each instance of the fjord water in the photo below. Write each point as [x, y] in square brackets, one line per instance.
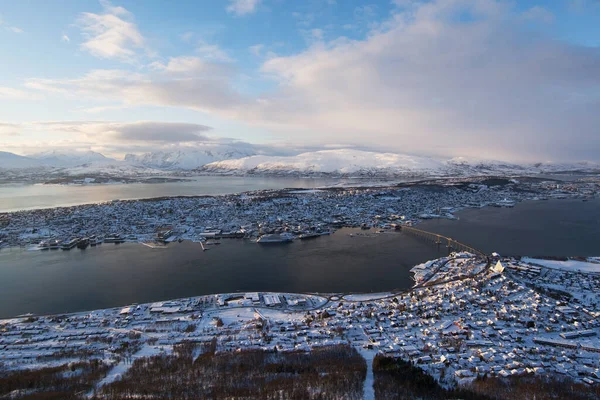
[109, 275]
[566, 227]
[29, 197]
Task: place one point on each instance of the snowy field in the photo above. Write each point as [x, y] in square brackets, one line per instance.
[570, 265]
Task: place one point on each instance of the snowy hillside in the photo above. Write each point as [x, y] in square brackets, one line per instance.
[356, 162]
[185, 159]
[71, 159]
[226, 159]
[14, 161]
[330, 162]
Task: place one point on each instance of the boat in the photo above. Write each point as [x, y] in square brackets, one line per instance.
[95, 240]
[114, 238]
[68, 245]
[276, 238]
[54, 244]
[83, 243]
[505, 203]
[311, 235]
[44, 245]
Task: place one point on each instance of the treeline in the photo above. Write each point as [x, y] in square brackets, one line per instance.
[335, 372]
[64, 382]
[398, 379]
[533, 387]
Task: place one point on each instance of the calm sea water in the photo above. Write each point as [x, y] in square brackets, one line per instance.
[551, 228]
[27, 197]
[57, 281]
[109, 275]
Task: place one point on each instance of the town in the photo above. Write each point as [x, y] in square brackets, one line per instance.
[272, 212]
[466, 316]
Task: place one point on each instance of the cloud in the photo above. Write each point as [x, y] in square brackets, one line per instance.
[447, 77]
[141, 131]
[114, 138]
[65, 38]
[430, 82]
[111, 34]
[187, 37]
[10, 93]
[256, 49]
[161, 132]
[189, 82]
[538, 14]
[14, 29]
[212, 52]
[9, 129]
[242, 7]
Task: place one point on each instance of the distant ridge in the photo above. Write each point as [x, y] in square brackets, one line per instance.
[227, 159]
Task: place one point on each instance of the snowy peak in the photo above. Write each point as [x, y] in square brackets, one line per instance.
[185, 158]
[14, 161]
[343, 161]
[70, 159]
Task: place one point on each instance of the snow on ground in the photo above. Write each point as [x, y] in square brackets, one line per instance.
[570, 265]
[280, 315]
[368, 389]
[236, 315]
[327, 161]
[367, 296]
[122, 367]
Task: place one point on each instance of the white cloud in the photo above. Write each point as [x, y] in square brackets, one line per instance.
[65, 38]
[111, 34]
[14, 29]
[429, 83]
[317, 34]
[256, 49]
[187, 37]
[9, 129]
[242, 7]
[182, 82]
[538, 14]
[102, 132]
[212, 52]
[423, 82]
[10, 93]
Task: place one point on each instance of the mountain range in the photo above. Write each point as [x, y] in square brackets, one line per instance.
[226, 159]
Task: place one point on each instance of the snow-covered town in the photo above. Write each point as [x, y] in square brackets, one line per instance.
[467, 316]
[253, 214]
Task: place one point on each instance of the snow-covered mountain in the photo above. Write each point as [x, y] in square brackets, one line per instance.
[341, 162]
[56, 158]
[186, 158]
[230, 160]
[14, 161]
[356, 162]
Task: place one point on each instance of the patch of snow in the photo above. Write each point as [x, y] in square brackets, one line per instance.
[570, 265]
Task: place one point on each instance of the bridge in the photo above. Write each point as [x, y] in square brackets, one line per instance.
[451, 244]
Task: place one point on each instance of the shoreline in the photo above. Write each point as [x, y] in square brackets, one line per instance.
[443, 320]
[244, 213]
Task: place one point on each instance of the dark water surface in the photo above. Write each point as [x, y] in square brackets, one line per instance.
[551, 228]
[57, 281]
[109, 275]
[14, 197]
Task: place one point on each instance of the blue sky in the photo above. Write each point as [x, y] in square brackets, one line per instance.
[481, 78]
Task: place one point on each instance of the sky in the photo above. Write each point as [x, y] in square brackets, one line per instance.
[509, 80]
